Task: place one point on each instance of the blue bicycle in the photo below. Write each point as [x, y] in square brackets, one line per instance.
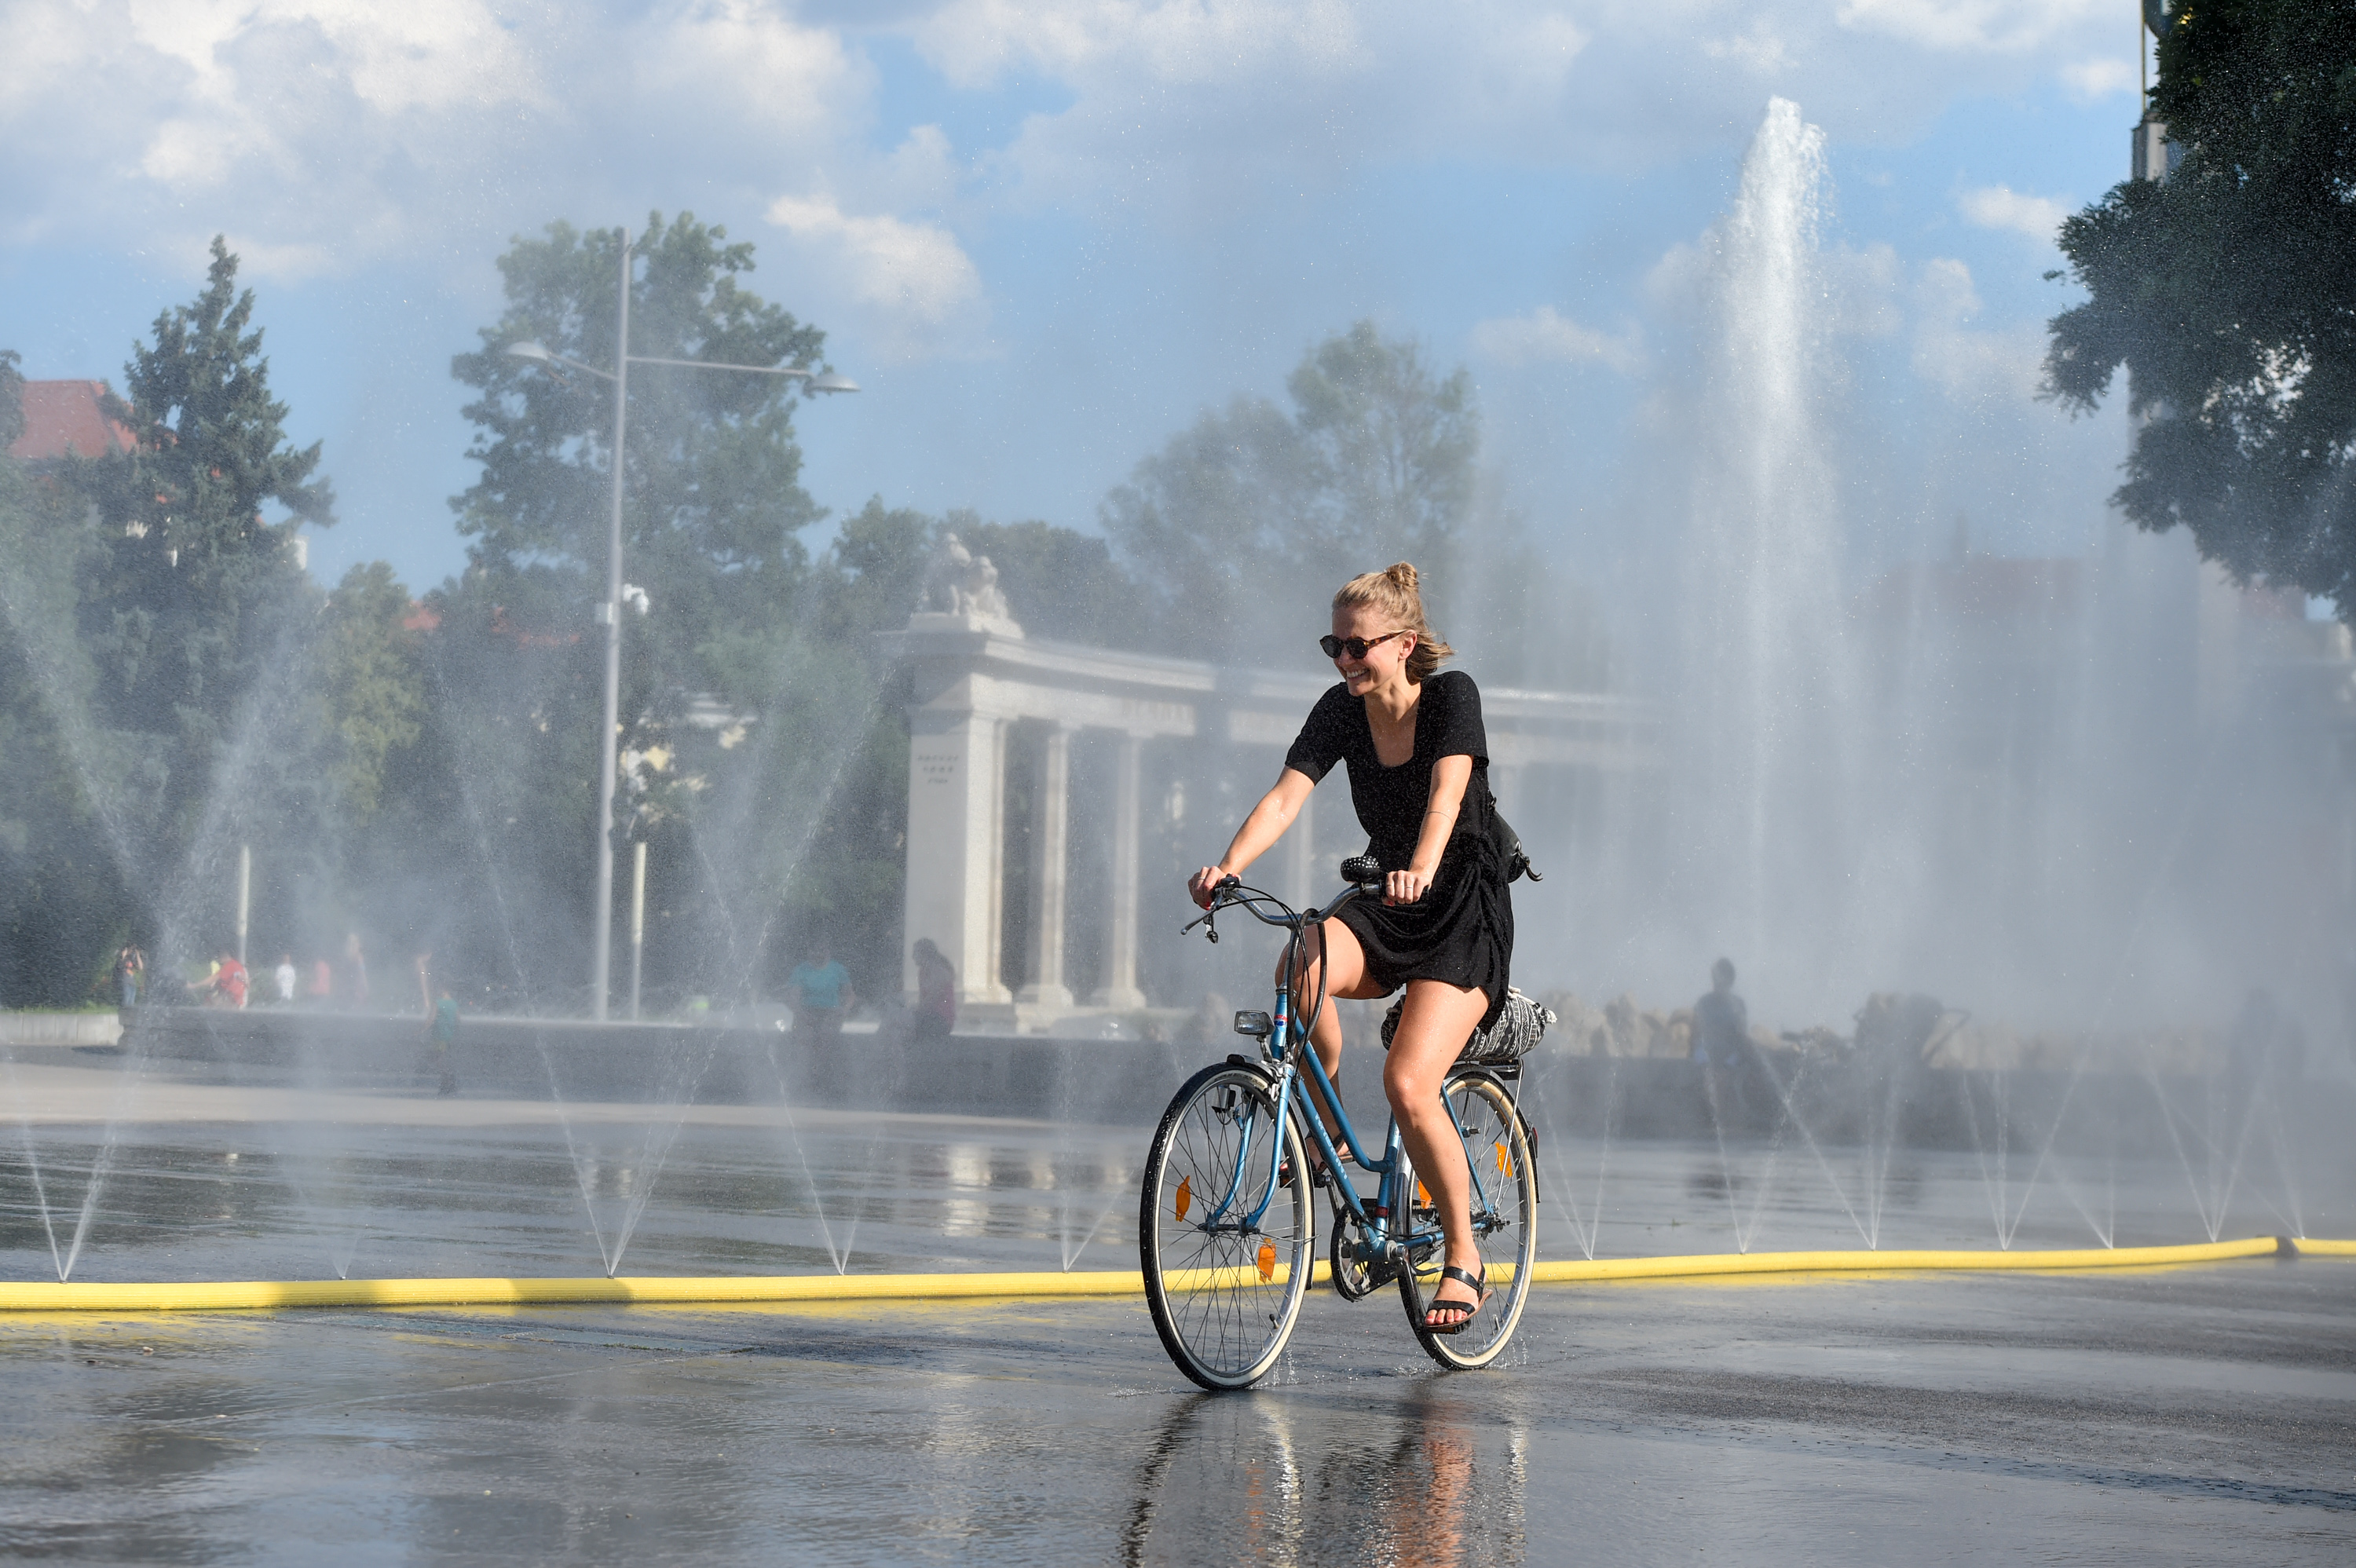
[1226, 1228]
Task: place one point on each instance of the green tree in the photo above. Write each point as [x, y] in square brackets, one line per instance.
[370, 688]
[189, 587]
[62, 900]
[729, 707]
[2229, 293]
[713, 496]
[1253, 506]
[12, 399]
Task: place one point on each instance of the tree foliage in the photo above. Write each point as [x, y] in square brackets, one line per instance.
[1256, 504]
[188, 588]
[713, 497]
[370, 688]
[2228, 291]
[12, 399]
[61, 898]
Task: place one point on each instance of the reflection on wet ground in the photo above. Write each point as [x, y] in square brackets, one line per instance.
[2149, 1416]
[2189, 1415]
[211, 1182]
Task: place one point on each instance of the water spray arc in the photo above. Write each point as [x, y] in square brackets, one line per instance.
[609, 611]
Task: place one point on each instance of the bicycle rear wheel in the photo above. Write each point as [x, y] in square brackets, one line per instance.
[1504, 1199]
[1227, 1248]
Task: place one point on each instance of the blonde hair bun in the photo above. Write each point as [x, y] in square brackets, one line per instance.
[1397, 593]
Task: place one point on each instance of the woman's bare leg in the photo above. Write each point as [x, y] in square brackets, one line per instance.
[1432, 1028]
[1333, 949]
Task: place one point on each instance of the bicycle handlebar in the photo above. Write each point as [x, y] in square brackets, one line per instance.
[1364, 873]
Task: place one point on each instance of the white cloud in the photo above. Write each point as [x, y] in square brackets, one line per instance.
[2092, 79]
[976, 42]
[914, 277]
[1861, 289]
[1760, 50]
[1970, 366]
[746, 59]
[2001, 207]
[2006, 27]
[1545, 336]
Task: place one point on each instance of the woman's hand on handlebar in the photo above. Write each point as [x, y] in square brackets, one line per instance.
[1203, 884]
[1405, 887]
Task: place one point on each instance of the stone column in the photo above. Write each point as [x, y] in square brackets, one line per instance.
[1051, 817]
[1506, 784]
[1302, 874]
[1119, 987]
[957, 790]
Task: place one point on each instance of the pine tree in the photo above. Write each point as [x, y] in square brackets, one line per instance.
[191, 588]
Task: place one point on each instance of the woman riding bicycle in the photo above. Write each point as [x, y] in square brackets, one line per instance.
[1444, 929]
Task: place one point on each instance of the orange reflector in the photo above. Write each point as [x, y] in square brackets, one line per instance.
[1421, 1196]
[1505, 1162]
[1185, 1195]
[1268, 1259]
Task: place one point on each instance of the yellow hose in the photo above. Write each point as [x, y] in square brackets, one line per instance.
[265, 1295]
[1909, 1261]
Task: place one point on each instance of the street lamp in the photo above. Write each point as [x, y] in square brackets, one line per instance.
[609, 613]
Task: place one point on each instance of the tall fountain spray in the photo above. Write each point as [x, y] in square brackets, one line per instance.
[1767, 696]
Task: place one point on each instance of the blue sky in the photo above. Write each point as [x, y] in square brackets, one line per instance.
[1042, 234]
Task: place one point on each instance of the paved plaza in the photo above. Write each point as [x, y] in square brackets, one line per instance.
[2187, 1414]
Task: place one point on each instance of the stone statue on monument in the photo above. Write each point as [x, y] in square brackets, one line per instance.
[962, 586]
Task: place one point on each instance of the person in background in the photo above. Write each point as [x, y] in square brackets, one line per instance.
[936, 993]
[229, 981]
[1722, 1037]
[130, 968]
[355, 985]
[284, 977]
[822, 995]
[442, 1036]
[322, 987]
[425, 982]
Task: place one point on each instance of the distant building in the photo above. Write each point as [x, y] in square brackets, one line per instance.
[68, 418]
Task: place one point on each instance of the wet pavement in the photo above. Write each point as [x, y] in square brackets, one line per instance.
[2122, 1415]
[210, 1181]
[2197, 1414]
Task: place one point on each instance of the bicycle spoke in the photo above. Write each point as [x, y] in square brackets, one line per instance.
[1224, 1290]
[1503, 1200]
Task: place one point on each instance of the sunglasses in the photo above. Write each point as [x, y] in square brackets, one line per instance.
[1356, 647]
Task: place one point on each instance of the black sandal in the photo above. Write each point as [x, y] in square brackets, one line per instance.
[1472, 1309]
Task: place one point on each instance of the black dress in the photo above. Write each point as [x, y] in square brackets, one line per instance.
[1461, 930]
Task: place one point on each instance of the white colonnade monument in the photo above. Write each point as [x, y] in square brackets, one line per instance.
[986, 698]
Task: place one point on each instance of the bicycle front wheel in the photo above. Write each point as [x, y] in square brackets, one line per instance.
[1225, 1229]
[1504, 1200]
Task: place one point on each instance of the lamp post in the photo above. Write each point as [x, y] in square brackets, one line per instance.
[610, 610]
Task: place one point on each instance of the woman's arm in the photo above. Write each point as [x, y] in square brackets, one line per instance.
[1263, 827]
[1450, 775]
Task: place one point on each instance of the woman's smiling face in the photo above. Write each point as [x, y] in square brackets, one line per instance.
[1382, 661]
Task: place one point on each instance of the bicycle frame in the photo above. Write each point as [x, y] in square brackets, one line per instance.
[1302, 1085]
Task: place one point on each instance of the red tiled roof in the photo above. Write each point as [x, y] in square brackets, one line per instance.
[62, 416]
[1980, 588]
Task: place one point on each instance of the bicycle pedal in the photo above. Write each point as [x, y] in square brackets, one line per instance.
[1319, 1175]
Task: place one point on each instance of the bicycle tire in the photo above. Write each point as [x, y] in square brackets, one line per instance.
[1224, 1300]
[1497, 1149]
